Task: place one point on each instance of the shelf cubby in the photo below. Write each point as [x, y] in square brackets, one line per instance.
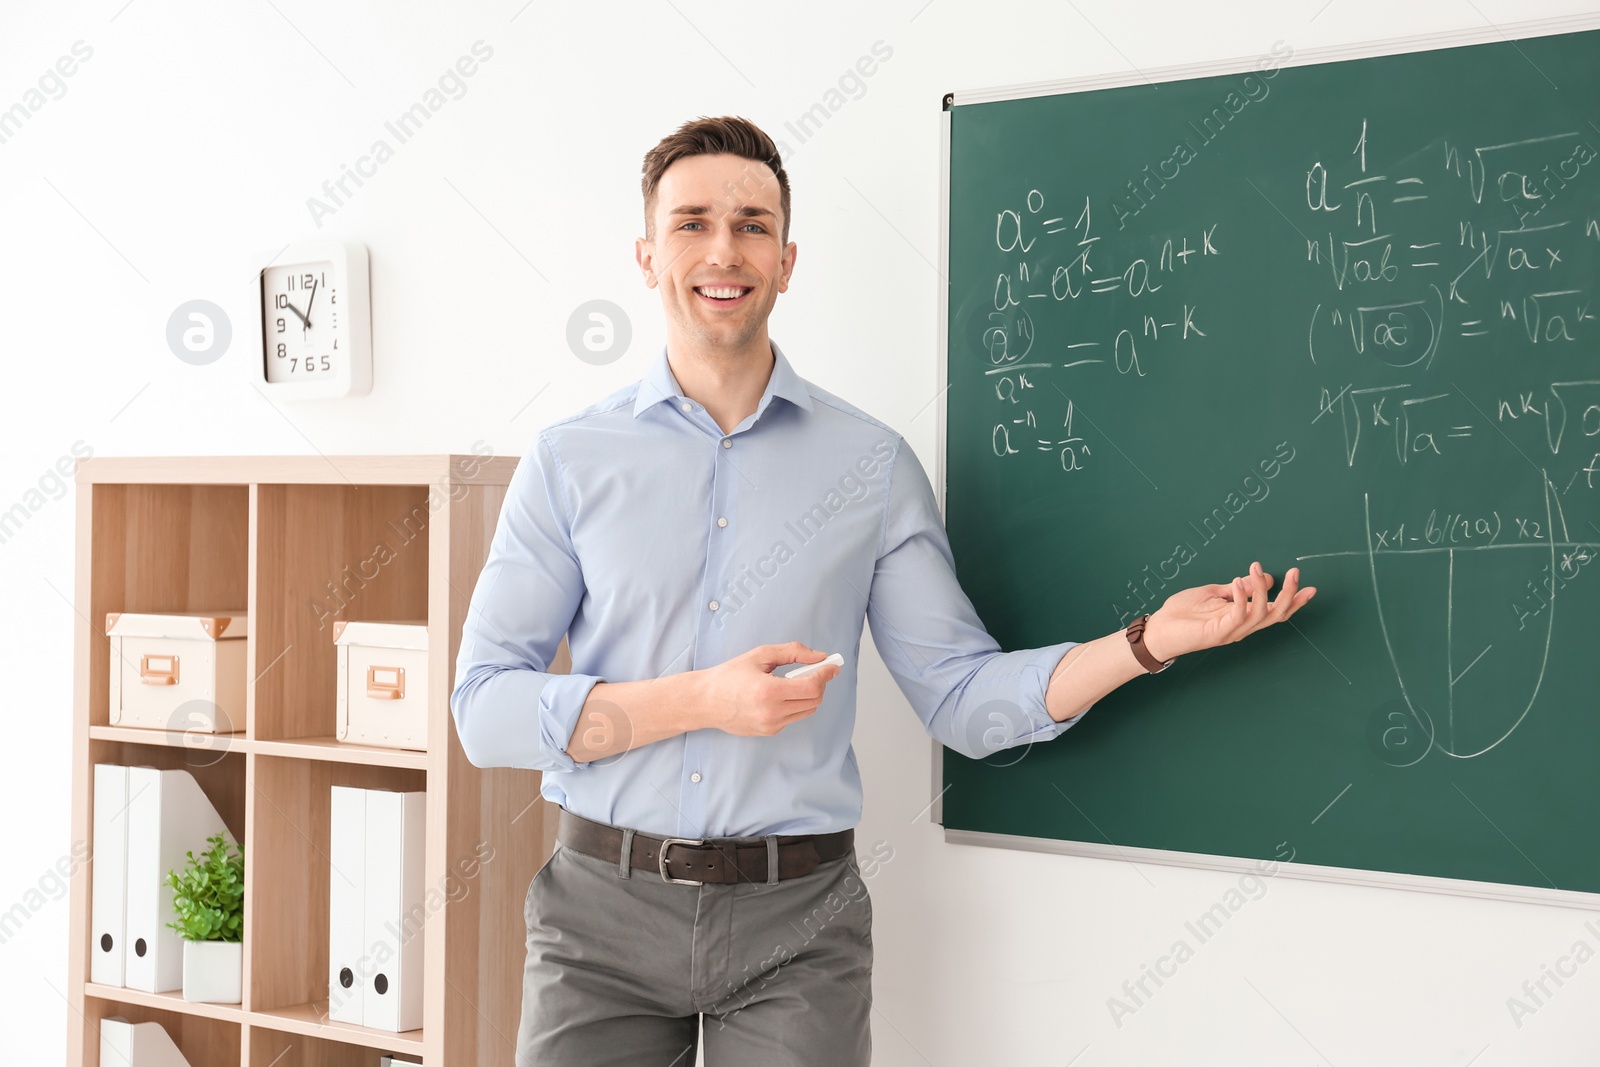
[208, 1039]
[157, 548]
[291, 1048]
[326, 553]
[286, 889]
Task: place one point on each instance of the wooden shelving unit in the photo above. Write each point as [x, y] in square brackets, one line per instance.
[303, 541]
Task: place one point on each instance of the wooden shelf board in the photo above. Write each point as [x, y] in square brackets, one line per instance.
[336, 751]
[305, 1019]
[425, 470]
[143, 735]
[311, 1021]
[170, 1001]
[329, 749]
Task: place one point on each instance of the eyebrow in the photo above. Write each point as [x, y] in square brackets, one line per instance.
[746, 210]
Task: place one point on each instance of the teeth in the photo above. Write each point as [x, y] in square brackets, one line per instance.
[721, 294]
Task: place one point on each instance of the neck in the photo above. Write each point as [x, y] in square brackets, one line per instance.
[728, 381]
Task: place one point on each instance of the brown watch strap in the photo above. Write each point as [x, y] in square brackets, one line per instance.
[1148, 661]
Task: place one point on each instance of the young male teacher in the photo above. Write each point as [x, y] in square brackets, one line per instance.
[691, 532]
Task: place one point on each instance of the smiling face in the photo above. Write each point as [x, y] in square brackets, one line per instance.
[717, 251]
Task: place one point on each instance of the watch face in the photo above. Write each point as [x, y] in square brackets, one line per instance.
[304, 341]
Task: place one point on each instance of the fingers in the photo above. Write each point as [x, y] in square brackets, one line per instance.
[1285, 597]
[1226, 591]
[809, 699]
[1290, 599]
[1260, 582]
[794, 714]
[1252, 603]
[776, 655]
[785, 723]
[1249, 607]
[812, 686]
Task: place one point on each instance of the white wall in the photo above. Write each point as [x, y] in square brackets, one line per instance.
[193, 137]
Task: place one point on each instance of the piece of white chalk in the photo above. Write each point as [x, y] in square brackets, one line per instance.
[836, 659]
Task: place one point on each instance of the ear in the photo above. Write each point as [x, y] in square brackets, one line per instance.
[644, 252]
[787, 264]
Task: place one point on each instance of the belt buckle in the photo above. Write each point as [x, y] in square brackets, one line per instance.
[661, 858]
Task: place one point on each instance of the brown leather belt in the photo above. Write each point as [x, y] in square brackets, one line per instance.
[698, 861]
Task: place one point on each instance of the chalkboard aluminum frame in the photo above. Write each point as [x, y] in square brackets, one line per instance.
[1131, 853]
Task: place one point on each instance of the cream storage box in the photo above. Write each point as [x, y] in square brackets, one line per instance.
[183, 671]
[383, 683]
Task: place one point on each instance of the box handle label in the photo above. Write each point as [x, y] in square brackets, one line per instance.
[158, 670]
[386, 683]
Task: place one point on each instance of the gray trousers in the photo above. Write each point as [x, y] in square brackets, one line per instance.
[620, 969]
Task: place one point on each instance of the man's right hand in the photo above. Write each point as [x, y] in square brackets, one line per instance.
[744, 697]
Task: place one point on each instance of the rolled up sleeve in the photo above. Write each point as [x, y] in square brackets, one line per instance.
[509, 710]
[970, 696]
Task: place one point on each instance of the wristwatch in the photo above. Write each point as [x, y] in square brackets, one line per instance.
[1135, 634]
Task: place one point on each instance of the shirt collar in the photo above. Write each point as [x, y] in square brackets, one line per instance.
[659, 383]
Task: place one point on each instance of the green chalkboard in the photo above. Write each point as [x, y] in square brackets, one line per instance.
[1340, 314]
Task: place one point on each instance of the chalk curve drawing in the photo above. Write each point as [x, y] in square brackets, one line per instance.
[1552, 506]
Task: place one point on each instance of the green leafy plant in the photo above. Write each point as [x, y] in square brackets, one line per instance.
[210, 894]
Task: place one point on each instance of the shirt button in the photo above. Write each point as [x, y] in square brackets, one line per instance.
[726, 443]
[695, 777]
[688, 406]
[714, 605]
[722, 522]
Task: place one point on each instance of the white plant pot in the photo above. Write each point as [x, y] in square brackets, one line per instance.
[213, 971]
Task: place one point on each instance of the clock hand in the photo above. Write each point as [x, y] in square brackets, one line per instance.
[313, 300]
[296, 310]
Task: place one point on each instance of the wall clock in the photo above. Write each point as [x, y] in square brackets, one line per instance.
[314, 301]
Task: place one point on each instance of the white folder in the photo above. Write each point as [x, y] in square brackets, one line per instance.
[347, 854]
[396, 823]
[168, 816]
[108, 874]
[125, 1044]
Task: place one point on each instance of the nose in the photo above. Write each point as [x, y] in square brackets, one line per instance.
[722, 250]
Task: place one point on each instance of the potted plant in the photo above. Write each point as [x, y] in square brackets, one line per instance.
[209, 899]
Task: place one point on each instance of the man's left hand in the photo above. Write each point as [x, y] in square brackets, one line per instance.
[1210, 615]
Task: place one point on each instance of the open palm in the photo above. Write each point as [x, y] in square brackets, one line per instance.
[1209, 615]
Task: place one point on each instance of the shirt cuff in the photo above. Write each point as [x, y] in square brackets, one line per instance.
[1035, 683]
[560, 702]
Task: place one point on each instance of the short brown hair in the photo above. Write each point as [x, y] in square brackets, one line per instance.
[709, 136]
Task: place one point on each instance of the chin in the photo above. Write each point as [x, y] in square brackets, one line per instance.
[730, 335]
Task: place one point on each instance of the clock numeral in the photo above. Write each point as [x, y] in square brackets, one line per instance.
[280, 325]
[311, 364]
[281, 351]
[283, 300]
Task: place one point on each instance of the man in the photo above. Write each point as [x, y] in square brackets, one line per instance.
[691, 533]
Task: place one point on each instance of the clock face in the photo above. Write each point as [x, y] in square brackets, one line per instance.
[305, 340]
[316, 321]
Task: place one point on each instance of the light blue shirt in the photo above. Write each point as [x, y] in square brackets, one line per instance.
[659, 544]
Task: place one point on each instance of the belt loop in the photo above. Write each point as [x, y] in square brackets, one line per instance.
[772, 859]
[624, 866]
